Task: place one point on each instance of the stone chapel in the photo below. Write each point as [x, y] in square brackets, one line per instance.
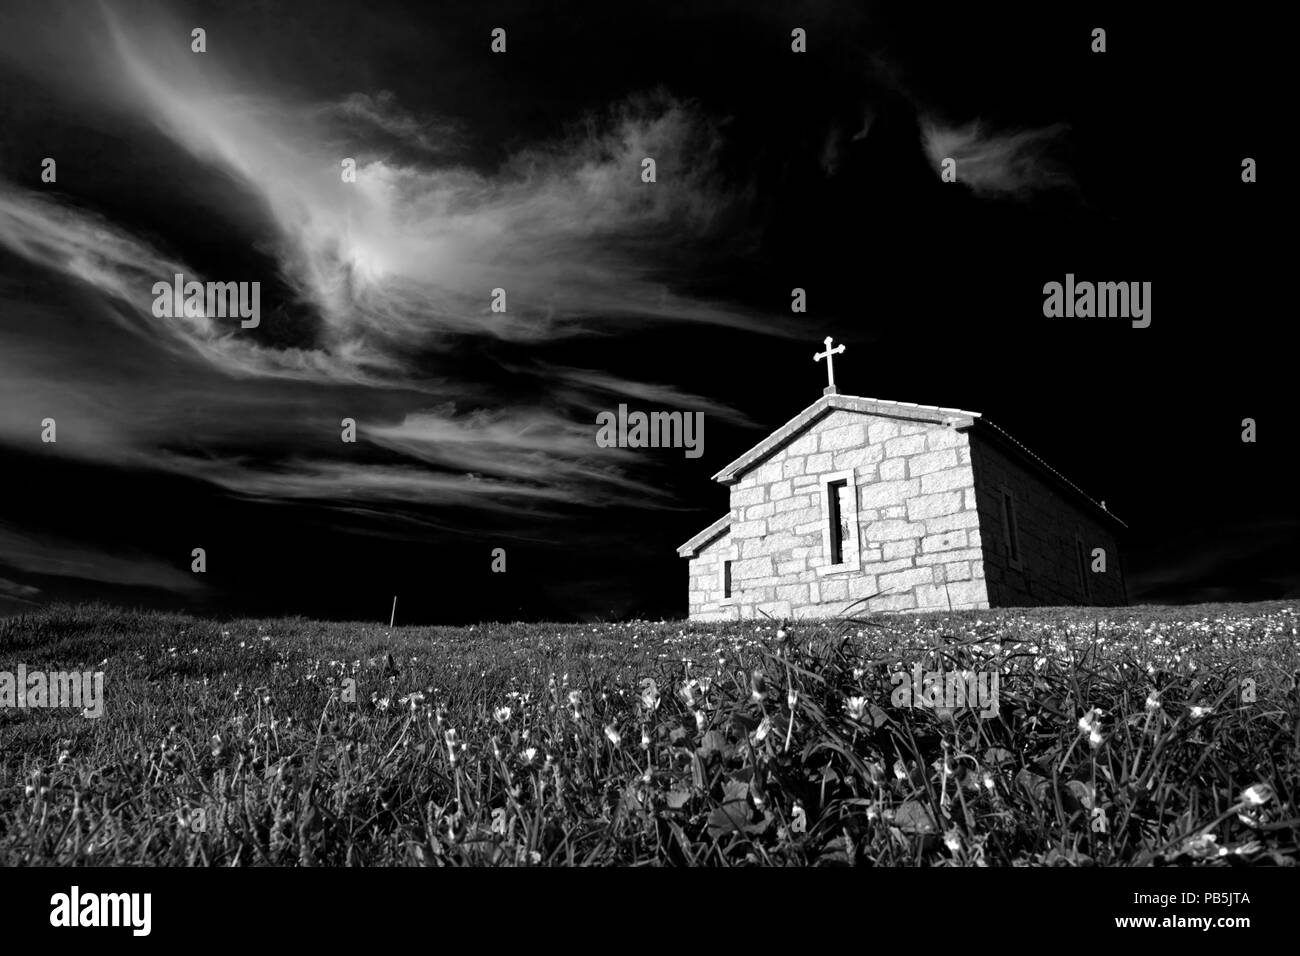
[860, 505]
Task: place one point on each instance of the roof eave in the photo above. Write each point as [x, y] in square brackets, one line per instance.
[929, 414]
[693, 547]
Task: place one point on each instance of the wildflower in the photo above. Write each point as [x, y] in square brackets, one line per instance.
[758, 686]
[792, 698]
[764, 727]
[649, 694]
[952, 840]
[699, 720]
[857, 707]
[988, 782]
[529, 754]
[1090, 724]
[780, 634]
[502, 714]
[1198, 711]
[1153, 702]
[1203, 846]
[645, 738]
[1257, 795]
[575, 697]
[612, 733]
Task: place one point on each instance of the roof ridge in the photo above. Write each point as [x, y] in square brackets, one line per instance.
[1025, 449]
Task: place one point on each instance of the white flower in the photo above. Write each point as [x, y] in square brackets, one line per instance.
[1153, 702]
[649, 694]
[1203, 846]
[952, 840]
[1257, 795]
[502, 714]
[1198, 711]
[529, 754]
[765, 725]
[612, 733]
[857, 707]
[1090, 724]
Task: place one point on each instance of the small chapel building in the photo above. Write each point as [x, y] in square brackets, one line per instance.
[860, 505]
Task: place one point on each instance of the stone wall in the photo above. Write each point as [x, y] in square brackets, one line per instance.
[705, 597]
[1048, 518]
[918, 531]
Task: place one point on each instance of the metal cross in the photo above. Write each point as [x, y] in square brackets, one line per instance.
[830, 367]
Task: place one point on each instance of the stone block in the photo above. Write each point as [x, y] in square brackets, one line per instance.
[933, 506]
[930, 462]
[843, 436]
[904, 445]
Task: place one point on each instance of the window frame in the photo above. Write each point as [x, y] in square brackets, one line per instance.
[728, 557]
[851, 547]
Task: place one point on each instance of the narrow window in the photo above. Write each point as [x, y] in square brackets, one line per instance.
[1009, 527]
[838, 518]
[1083, 569]
[726, 579]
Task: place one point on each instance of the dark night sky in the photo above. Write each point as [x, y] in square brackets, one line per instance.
[521, 170]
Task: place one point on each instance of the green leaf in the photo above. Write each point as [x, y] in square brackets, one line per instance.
[914, 816]
[715, 741]
[677, 799]
[734, 814]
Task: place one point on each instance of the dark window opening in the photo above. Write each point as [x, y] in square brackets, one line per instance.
[726, 579]
[1083, 570]
[1009, 523]
[836, 490]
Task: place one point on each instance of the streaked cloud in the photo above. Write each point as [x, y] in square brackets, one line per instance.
[999, 164]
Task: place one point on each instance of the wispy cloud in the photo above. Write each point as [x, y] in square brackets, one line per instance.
[999, 164]
[382, 112]
[388, 277]
[52, 556]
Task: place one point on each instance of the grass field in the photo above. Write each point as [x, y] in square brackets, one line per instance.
[1121, 737]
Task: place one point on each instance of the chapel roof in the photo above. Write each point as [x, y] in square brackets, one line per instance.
[932, 414]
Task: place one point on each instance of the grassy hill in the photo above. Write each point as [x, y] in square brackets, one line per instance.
[1118, 736]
